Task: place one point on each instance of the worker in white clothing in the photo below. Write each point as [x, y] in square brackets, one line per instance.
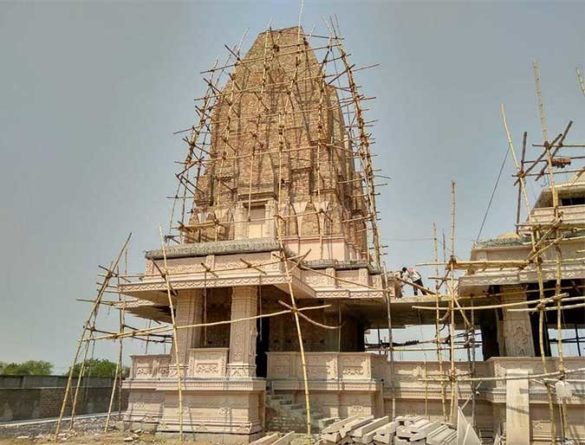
[410, 274]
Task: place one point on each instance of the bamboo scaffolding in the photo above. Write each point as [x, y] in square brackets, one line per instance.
[178, 365]
[563, 297]
[534, 241]
[437, 324]
[546, 238]
[89, 322]
[451, 288]
[507, 378]
[117, 385]
[293, 300]
[219, 116]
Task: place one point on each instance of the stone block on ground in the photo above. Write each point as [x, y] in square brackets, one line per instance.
[301, 439]
[424, 431]
[385, 434]
[442, 436]
[327, 421]
[370, 426]
[403, 433]
[285, 440]
[368, 438]
[418, 424]
[350, 426]
[266, 440]
[336, 426]
[331, 437]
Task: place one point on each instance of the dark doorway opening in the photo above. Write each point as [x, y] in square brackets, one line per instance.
[262, 347]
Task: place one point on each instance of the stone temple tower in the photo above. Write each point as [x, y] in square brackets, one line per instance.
[275, 208]
[279, 147]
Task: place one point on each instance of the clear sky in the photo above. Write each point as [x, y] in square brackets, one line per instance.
[91, 93]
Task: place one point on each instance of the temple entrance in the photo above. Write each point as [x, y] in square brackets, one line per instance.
[262, 347]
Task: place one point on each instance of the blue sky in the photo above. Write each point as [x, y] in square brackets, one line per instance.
[92, 92]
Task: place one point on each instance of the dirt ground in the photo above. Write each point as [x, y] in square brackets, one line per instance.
[87, 431]
[111, 438]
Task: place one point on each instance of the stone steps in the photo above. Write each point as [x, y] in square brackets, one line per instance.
[290, 416]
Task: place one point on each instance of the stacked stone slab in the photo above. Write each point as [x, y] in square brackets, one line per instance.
[381, 431]
[275, 439]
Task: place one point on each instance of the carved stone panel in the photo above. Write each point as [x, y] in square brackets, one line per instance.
[517, 327]
[207, 362]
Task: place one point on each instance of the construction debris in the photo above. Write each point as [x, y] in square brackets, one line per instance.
[381, 431]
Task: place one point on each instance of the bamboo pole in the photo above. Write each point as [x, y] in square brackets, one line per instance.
[541, 114]
[515, 304]
[175, 340]
[437, 324]
[162, 329]
[280, 235]
[116, 387]
[580, 81]
[454, 383]
[390, 357]
[534, 240]
[507, 378]
[293, 303]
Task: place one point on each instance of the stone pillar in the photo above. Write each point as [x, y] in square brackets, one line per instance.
[517, 408]
[331, 336]
[240, 222]
[189, 310]
[516, 325]
[330, 280]
[242, 359]
[269, 222]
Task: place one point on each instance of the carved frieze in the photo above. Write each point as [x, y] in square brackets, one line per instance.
[207, 362]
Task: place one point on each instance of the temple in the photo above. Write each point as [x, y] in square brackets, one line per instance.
[280, 181]
[273, 282]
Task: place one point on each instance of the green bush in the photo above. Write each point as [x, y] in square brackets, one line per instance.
[98, 368]
[30, 367]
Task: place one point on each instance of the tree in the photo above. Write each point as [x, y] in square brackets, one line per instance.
[98, 368]
[30, 367]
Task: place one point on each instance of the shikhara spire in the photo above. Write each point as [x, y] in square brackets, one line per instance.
[281, 140]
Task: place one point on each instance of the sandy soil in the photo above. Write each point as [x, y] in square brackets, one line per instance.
[92, 438]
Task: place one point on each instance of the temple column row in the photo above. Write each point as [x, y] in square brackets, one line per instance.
[242, 346]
